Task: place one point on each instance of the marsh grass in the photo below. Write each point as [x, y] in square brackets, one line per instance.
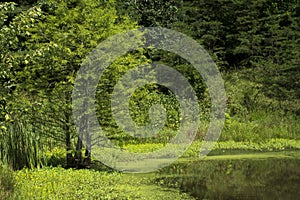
[20, 145]
[260, 125]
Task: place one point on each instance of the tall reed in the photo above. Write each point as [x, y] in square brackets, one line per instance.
[19, 145]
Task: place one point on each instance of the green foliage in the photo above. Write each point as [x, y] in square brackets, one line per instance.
[253, 116]
[143, 148]
[260, 35]
[168, 101]
[261, 125]
[106, 87]
[223, 147]
[7, 182]
[42, 46]
[58, 183]
[150, 12]
[140, 102]
[41, 50]
[55, 157]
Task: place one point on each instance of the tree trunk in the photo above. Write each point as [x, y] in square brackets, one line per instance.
[87, 159]
[67, 129]
[84, 134]
[70, 158]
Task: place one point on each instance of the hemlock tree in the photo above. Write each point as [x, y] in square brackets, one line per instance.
[149, 13]
[258, 39]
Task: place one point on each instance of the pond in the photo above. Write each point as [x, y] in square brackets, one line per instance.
[274, 175]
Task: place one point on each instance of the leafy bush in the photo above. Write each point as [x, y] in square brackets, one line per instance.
[253, 116]
[55, 157]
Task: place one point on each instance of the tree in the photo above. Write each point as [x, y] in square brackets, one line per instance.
[45, 47]
[19, 139]
[258, 38]
[150, 12]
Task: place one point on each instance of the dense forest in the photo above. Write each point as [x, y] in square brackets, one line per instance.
[255, 45]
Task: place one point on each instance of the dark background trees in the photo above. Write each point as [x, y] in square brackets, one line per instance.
[43, 43]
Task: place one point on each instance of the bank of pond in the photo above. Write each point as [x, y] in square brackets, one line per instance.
[220, 175]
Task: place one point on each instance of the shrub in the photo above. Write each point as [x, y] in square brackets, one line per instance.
[55, 157]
